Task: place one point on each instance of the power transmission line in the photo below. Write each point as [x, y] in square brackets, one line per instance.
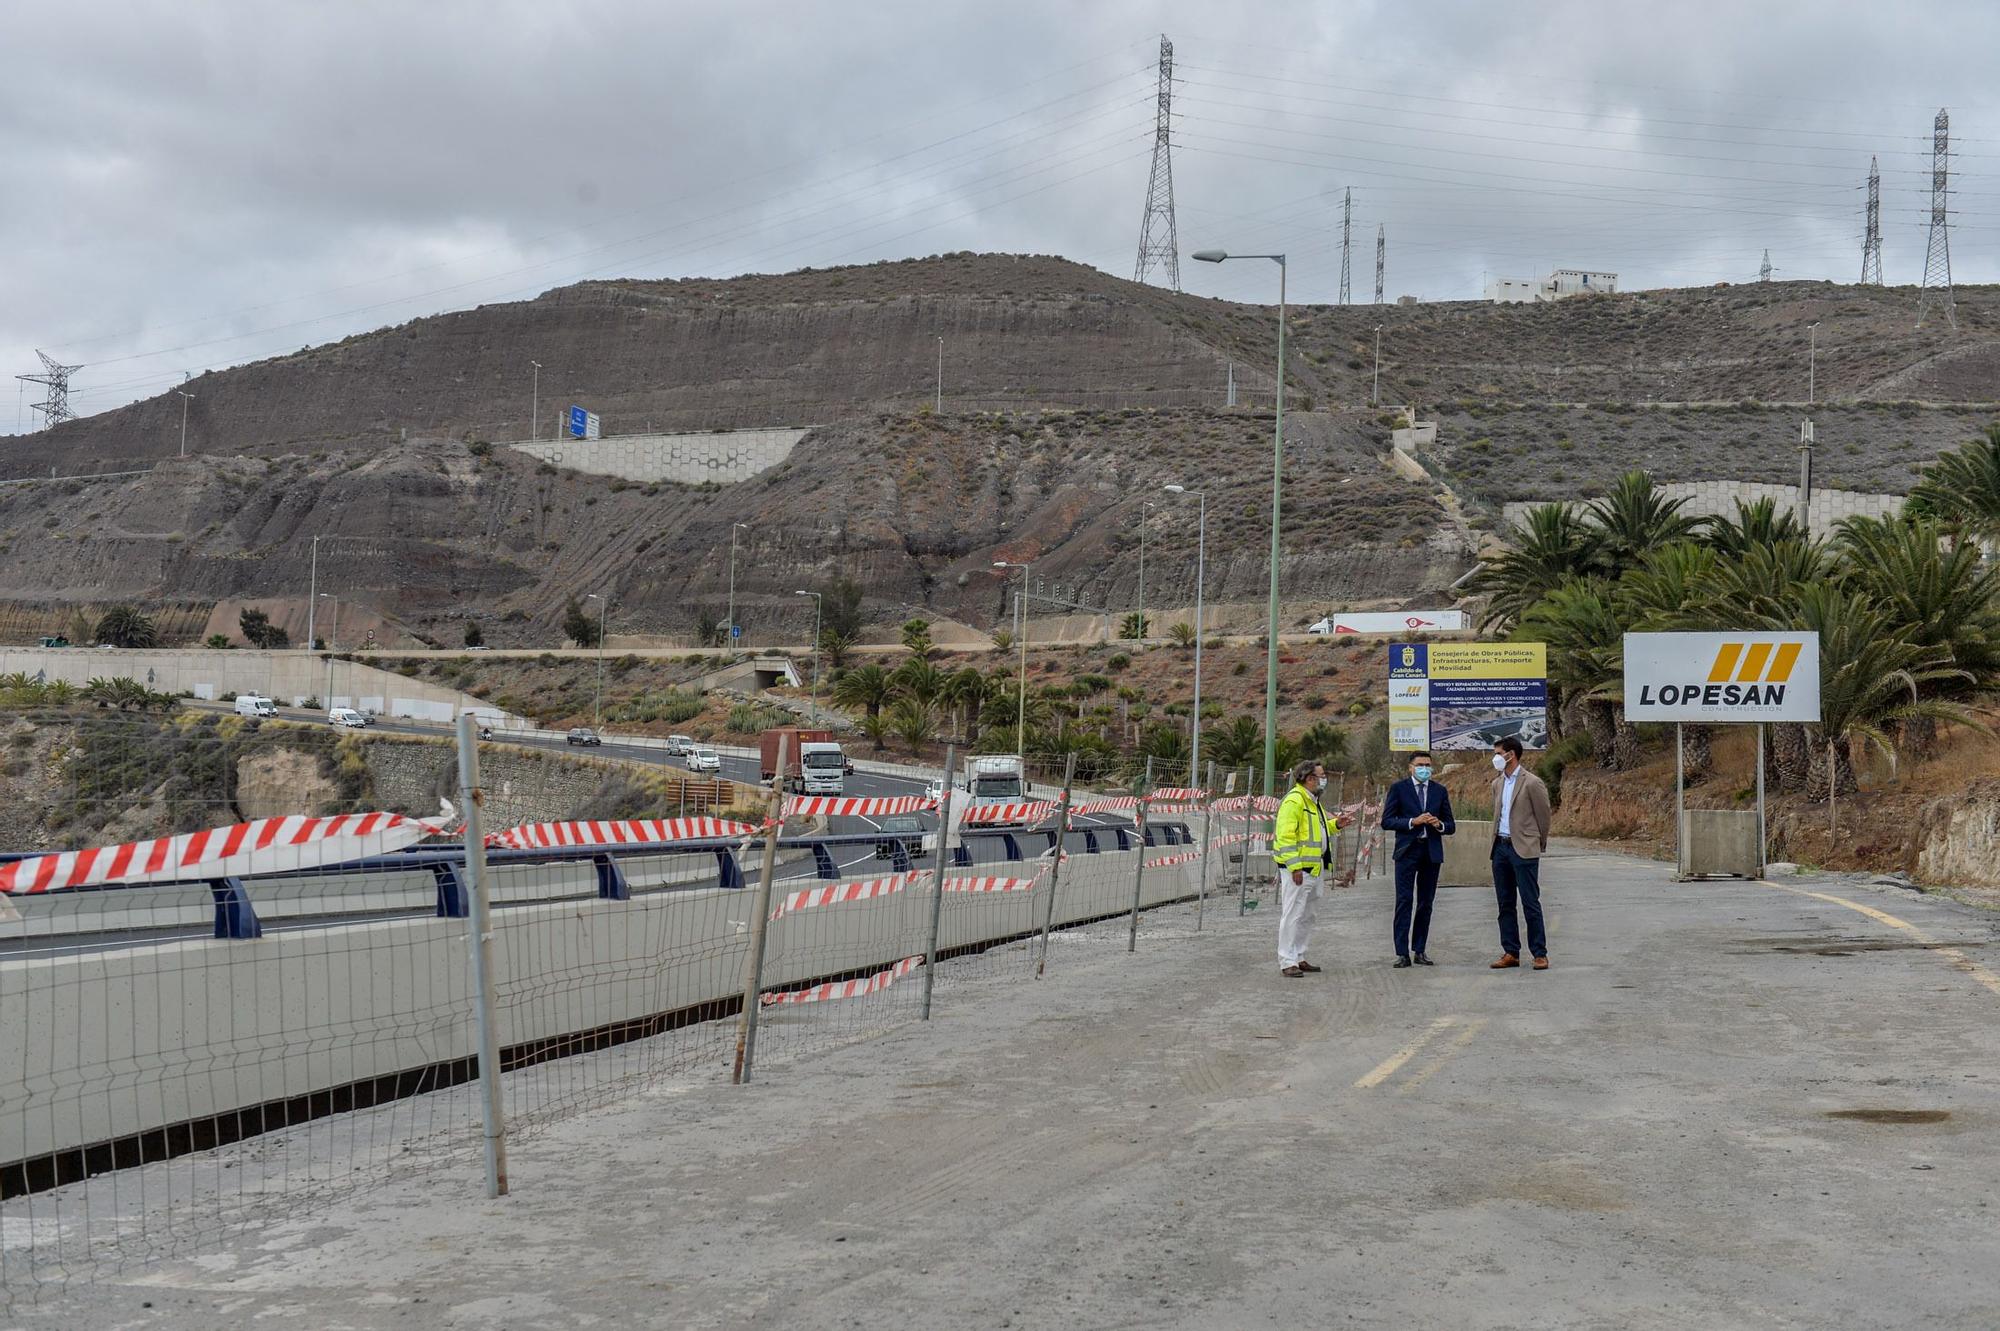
[1381, 251]
[1871, 237]
[55, 410]
[1159, 242]
[1937, 254]
[1346, 241]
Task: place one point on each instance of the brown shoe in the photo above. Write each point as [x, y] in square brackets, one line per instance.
[1507, 961]
[1291, 972]
[1541, 963]
[1308, 968]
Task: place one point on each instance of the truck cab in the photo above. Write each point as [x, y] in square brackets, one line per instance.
[823, 768]
[995, 779]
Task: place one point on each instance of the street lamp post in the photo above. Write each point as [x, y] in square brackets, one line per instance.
[819, 604]
[1277, 483]
[1375, 397]
[1021, 690]
[597, 703]
[729, 630]
[1145, 507]
[939, 409]
[185, 399]
[1200, 628]
[535, 404]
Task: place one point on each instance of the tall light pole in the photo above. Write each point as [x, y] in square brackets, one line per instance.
[1145, 507]
[1200, 629]
[729, 632]
[185, 399]
[819, 604]
[1021, 693]
[597, 703]
[535, 404]
[1375, 398]
[939, 410]
[1277, 483]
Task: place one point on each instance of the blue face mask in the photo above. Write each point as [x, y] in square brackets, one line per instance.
[1423, 774]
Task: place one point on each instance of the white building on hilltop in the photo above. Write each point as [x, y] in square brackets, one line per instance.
[1561, 283]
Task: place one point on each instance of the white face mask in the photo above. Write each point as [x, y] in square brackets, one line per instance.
[1499, 762]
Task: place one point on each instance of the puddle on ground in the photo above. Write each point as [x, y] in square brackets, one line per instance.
[1890, 1115]
[1837, 946]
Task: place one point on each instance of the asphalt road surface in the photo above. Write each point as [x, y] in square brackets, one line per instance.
[1727, 1105]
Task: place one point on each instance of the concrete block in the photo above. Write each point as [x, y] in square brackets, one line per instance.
[1721, 842]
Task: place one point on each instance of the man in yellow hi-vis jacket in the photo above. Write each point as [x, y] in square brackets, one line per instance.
[1302, 850]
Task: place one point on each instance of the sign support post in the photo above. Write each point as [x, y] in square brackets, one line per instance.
[1761, 843]
[1680, 804]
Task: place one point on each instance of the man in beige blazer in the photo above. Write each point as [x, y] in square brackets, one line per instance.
[1520, 837]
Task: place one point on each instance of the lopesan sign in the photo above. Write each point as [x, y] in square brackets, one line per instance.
[1722, 677]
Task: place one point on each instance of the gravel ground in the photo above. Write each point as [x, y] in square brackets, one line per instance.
[1728, 1104]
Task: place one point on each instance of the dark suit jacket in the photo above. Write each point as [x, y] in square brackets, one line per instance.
[1400, 805]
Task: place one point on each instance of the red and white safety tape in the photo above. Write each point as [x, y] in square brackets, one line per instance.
[619, 832]
[867, 984]
[840, 806]
[834, 894]
[1109, 804]
[265, 845]
[1185, 857]
[1187, 794]
[992, 884]
[1027, 813]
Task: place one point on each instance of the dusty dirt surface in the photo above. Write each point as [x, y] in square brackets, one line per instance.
[1728, 1104]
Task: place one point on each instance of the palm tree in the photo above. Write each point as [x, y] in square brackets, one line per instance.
[917, 637]
[1324, 741]
[1761, 586]
[913, 721]
[1181, 633]
[1760, 522]
[1238, 744]
[1552, 542]
[1962, 488]
[834, 645]
[921, 680]
[876, 727]
[1868, 679]
[123, 626]
[867, 687]
[1674, 588]
[1931, 594]
[1585, 635]
[1635, 518]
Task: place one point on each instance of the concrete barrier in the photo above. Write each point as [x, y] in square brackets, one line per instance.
[1721, 843]
[1468, 855]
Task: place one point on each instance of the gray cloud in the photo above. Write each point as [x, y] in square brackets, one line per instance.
[196, 185]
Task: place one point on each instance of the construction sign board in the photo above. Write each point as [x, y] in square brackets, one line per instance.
[1721, 677]
[1467, 695]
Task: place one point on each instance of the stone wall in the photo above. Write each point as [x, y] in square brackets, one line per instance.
[1718, 499]
[722, 456]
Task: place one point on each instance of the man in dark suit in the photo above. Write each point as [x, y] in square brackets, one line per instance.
[1418, 810]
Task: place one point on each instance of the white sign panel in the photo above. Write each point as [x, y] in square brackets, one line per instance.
[1722, 677]
[1391, 621]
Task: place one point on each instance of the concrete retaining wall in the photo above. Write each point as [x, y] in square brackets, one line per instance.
[103, 1045]
[1718, 499]
[722, 456]
[287, 677]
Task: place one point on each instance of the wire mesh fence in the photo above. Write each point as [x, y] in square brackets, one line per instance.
[278, 1010]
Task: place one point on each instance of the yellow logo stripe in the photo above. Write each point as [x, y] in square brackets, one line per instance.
[1753, 664]
[1725, 661]
[1788, 656]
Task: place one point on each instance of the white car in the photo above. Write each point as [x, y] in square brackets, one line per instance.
[704, 760]
[934, 789]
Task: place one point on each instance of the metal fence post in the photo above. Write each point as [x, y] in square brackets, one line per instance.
[1249, 809]
[937, 879]
[1139, 870]
[1055, 865]
[753, 965]
[479, 936]
[1207, 840]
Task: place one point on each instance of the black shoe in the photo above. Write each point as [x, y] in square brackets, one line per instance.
[1423, 960]
[1400, 963]
[1308, 968]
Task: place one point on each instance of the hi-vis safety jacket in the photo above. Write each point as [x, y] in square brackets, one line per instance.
[1303, 837]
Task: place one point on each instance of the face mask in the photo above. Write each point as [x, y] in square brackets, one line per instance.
[1423, 774]
[1499, 763]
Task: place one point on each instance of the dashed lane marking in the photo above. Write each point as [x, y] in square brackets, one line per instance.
[1387, 1067]
[1458, 1042]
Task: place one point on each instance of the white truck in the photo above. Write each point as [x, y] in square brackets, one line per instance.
[822, 768]
[250, 704]
[995, 778]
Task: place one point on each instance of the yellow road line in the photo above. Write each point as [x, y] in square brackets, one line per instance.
[1957, 958]
[1387, 1067]
[1460, 1041]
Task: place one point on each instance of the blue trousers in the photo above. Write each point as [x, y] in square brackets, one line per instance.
[1514, 876]
[1416, 889]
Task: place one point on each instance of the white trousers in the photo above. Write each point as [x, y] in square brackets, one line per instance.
[1296, 916]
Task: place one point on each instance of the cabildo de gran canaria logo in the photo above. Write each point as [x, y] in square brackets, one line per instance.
[1741, 676]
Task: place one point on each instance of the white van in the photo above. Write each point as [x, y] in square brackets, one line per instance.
[249, 704]
[347, 716]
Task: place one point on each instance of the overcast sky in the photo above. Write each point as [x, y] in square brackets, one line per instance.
[194, 185]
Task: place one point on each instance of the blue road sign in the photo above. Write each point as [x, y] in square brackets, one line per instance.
[735, 630]
[579, 421]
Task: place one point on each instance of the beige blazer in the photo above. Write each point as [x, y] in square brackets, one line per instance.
[1528, 822]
